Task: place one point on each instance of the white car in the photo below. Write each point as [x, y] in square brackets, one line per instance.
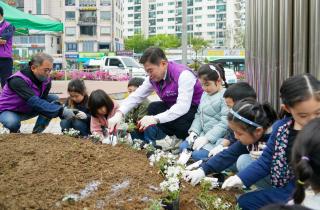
[117, 65]
[231, 76]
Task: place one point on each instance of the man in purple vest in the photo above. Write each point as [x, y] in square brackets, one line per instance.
[26, 95]
[179, 90]
[6, 62]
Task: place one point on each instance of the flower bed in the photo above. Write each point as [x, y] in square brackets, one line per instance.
[57, 171]
[86, 75]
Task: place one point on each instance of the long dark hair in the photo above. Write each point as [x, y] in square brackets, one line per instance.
[261, 114]
[297, 89]
[306, 159]
[98, 99]
[212, 72]
[77, 86]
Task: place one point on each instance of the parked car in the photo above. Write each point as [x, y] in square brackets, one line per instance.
[117, 65]
[231, 76]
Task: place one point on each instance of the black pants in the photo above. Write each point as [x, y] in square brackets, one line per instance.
[179, 127]
[6, 65]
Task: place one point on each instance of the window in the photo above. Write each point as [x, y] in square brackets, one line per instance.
[70, 2]
[211, 16]
[115, 62]
[105, 2]
[137, 16]
[152, 14]
[160, 4]
[189, 3]
[171, 11]
[221, 17]
[70, 15]
[137, 1]
[221, 8]
[160, 20]
[220, 35]
[152, 22]
[211, 33]
[197, 33]
[152, 7]
[70, 31]
[71, 47]
[39, 4]
[88, 46]
[198, 8]
[198, 25]
[179, 12]
[37, 39]
[88, 30]
[171, 3]
[197, 0]
[130, 15]
[197, 17]
[178, 20]
[178, 28]
[88, 16]
[189, 19]
[210, 7]
[105, 30]
[137, 8]
[189, 27]
[159, 12]
[105, 15]
[171, 27]
[130, 8]
[189, 11]
[137, 23]
[170, 19]
[104, 46]
[159, 28]
[211, 24]
[221, 26]
[137, 30]
[152, 30]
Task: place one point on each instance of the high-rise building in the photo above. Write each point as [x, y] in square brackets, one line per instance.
[213, 20]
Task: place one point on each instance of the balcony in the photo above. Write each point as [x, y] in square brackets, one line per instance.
[87, 21]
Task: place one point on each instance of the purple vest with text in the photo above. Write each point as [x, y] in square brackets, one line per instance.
[5, 49]
[11, 101]
[169, 91]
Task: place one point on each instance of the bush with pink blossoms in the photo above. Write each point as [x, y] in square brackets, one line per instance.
[86, 75]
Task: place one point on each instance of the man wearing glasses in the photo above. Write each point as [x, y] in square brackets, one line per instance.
[26, 95]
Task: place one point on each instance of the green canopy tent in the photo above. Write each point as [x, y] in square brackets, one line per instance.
[23, 21]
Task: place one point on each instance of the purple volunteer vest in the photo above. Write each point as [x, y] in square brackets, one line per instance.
[5, 49]
[11, 101]
[169, 90]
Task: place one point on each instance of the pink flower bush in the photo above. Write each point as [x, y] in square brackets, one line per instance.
[95, 75]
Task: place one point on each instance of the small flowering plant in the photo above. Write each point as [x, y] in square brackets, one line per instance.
[95, 138]
[4, 130]
[171, 187]
[71, 132]
[162, 160]
[137, 144]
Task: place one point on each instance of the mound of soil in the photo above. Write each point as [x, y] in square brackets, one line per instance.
[45, 171]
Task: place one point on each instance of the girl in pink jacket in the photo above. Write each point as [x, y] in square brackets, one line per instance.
[102, 107]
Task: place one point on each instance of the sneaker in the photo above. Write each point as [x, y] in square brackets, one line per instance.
[169, 143]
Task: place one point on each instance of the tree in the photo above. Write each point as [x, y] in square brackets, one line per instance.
[165, 41]
[138, 43]
[198, 44]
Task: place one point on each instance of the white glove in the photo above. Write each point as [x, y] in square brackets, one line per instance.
[147, 121]
[191, 138]
[194, 176]
[194, 165]
[232, 182]
[114, 121]
[81, 115]
[200, 142]
[216, 150]
[255, 154]
[106, 140]
[184, 157]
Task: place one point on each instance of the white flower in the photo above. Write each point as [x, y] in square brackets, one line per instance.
[71, 132]
[4, 130]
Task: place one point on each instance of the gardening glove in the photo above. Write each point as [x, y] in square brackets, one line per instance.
[67, 113]
[114, 121]
[255, 154]
[106, 140]
[232, 182]
[194, 176]
[147, 121]
[194, 165]
[81, 115]
[192, 137]
[184, 157]
[216, 150]
[200, 142]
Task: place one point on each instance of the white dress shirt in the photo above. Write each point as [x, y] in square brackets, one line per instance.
[186, 83]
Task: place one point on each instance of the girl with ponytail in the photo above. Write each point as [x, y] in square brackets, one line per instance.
[306, 165]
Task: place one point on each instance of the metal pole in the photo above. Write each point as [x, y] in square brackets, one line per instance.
[184, 35]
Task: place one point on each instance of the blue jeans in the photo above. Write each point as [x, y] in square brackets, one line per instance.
[150, 135]
[259, 198]
[243, 162]
[196, 155]
[12, 120]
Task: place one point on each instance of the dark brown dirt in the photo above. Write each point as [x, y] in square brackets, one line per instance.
[38, 171]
